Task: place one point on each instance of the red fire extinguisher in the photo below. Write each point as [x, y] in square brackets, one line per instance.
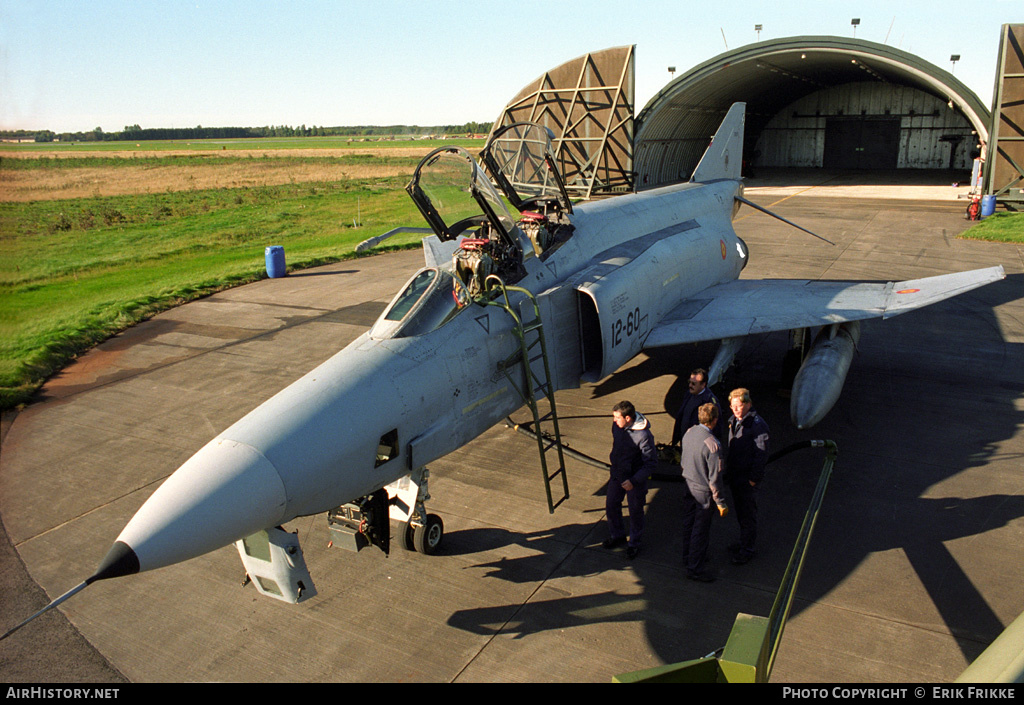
[973, 208]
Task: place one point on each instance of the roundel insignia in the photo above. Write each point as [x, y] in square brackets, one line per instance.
[722, 243]
[908, 291]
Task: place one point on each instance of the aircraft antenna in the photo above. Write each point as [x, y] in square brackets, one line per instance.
[787, 222]
[70, 593]
[120, 560]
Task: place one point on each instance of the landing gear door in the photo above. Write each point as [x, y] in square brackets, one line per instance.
[274, 562]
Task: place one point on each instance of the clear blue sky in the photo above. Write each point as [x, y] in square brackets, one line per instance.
[73, 65]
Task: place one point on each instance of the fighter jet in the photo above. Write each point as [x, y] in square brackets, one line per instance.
[457, 350]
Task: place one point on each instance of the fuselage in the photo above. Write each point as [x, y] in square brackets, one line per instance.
[386, 405]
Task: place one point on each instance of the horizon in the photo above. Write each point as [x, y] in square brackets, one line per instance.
[114, 63]
[260, 127]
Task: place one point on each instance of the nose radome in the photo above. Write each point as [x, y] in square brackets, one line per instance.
[226, 491]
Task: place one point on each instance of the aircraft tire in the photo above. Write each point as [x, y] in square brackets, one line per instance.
[408, 542]
[427, 538]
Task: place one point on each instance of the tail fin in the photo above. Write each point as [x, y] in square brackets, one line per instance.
[724, 157]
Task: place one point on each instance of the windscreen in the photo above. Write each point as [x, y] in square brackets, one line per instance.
[412, 293]
[426, 302]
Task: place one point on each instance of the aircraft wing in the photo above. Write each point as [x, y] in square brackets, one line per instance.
[748, 306]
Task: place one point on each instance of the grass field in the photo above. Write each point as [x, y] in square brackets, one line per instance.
[149, 147]
[1000, 227]
[94, 241]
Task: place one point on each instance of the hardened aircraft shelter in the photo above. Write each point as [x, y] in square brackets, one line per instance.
[828, 102]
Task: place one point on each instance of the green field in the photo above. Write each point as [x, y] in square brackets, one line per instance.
[268, 143]
[1000, 227]
[76, 271]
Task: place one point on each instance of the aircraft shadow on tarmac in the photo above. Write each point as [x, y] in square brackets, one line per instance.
[925, 429]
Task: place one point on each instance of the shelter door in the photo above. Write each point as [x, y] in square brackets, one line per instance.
[861, 143]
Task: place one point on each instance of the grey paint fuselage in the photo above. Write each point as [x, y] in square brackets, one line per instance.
[313, 446]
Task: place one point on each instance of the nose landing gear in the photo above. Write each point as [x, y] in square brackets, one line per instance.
[425, 537]
[423, 531]
[367, 521]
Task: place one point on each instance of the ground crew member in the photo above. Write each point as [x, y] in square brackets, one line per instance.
[698, 395]
[744, 462]
[702, 469]
[633, 459]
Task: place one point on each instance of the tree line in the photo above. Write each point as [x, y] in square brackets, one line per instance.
[137, 133]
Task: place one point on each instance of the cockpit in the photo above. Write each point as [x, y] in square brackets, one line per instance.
[460, 202]
[426, 303]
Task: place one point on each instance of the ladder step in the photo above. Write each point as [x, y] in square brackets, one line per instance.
[555, 505]
[556, 473]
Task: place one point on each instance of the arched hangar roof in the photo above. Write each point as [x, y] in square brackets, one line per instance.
[673, 128]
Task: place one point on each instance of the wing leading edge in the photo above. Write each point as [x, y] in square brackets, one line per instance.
[746, 307]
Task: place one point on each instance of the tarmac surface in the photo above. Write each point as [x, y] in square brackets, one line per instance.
[913, 570]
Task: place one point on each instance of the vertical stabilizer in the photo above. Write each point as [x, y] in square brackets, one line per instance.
[724, 156]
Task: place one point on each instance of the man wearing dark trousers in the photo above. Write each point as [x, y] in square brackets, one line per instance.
[633, 459]
[702, 469]
[744, 462]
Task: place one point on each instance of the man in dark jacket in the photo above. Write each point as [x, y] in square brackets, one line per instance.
[702, 469]
[699, 395]
[633, 459]
[744, 462]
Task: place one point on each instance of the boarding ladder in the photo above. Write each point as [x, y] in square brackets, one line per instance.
[536, 381]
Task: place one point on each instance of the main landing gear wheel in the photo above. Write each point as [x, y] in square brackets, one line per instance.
[426, 539]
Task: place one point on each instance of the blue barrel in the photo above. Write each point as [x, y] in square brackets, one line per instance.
[275, 262]
[988, 205]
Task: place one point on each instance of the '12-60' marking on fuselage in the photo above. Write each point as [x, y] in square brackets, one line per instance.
[629, 326]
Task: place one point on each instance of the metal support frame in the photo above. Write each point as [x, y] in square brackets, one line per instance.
[588, 103]
[1004, 165]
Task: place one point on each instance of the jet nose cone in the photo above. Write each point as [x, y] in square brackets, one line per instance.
[120, 560]
[226, 491]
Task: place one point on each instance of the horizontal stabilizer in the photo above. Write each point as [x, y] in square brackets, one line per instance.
[372, 242]
[749, 306]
